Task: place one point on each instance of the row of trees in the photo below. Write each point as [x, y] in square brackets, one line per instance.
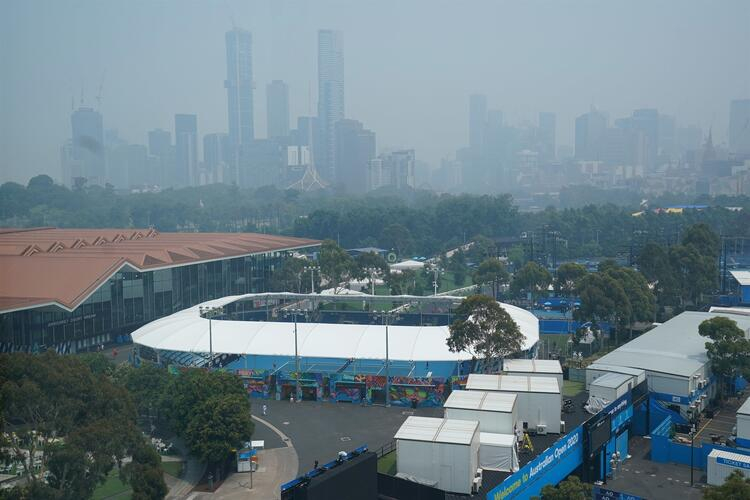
[418, 222]
[66, 416]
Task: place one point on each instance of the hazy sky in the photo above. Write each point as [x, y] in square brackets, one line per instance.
[410, 64]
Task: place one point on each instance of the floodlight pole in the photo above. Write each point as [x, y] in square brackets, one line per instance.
[387, 363]
[296, 359]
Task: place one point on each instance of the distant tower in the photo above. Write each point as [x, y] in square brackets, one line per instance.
[277, 109]
[186, 150]
[239, 85]
[330, 97]
[739, 126]
[546, 133]
[87, 151]
[477, 120]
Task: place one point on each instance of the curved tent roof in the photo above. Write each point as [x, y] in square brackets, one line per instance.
[187, 331]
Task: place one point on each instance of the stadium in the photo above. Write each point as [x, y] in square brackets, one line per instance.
[341, 343]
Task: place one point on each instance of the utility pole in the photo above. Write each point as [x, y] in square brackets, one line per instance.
[209, 313]
[386, 317]
[312, 270]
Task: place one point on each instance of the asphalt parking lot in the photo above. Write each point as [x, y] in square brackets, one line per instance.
[724, 419]
[319, 430]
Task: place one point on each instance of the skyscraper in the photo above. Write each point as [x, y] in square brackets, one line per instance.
[589, 133]
[477, 120]
[739, 126]
[277, 109]
[647, 122]
[355, 147]
[88, 146]
[186, 150]
[239, 85]
[330, 98]
[546, 137]
[216, 157]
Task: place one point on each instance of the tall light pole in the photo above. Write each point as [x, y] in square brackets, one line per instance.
[312, 270]
[210, 312]
[435, 269]
[372, 271]
[297, 392]
[386, 317]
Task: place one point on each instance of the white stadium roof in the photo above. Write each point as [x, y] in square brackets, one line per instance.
[187, 331]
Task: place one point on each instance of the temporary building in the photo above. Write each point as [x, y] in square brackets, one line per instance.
[539, 402]
[721, 464]
[439, 451]
[611, 386]
[496, 412]
[743, 425]
[498, 452]
[596, 370]
[537, 367]
[407, 265]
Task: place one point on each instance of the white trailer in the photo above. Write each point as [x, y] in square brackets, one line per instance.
[439, 451]
[743, 425]
[721, 464]
[496, 412]
[611, 386]
[596, 370]
[536, 367]
[498, 452]
[538, 398]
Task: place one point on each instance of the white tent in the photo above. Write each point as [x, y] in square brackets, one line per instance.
[187, 331]
[407, 265]
[496, 412]
[498, 452]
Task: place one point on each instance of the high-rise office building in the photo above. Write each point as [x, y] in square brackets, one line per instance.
[87, 147]
[216, 159]
[277, 109]
[647, 122]
[186, 150]
[159, 142]
[546, 137]
[477, 120]
[161, 156]
[394, 169]
[589, 132]
[355, 147]
[739, 126]
[330, 98]
[239, 85]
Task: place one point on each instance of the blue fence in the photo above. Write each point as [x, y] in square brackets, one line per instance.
[664, 450]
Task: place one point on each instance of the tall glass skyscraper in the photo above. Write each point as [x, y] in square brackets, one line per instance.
[239, 85]
[88, 146]
[330, 98]
[277, 109]
[186, 150]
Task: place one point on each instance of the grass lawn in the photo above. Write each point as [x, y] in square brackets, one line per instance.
[172, 468]
[571, 388]
[111, 487]
[387, 463]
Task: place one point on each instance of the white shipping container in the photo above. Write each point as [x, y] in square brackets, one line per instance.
[498, 452]
[743, 421]
[610, 386]
[536, 367]
[437, 450]
[496, 412]
[721, 464]
[538, 398]
[596, 370]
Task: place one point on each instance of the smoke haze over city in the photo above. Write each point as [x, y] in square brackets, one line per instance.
[409, 67]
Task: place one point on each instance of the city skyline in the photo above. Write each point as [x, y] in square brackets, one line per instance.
[403, 108]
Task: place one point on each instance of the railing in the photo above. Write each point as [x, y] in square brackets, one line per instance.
[386, 448]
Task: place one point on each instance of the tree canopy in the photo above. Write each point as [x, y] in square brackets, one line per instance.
[729, 350]
[570, 489]
[531, 278]
[491, 270]
[483, 328]
[735, 487]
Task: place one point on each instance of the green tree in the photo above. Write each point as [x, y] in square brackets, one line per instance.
[457, 265]
[567, 276]
[336, 265]
[602, 299]
[641, 299]
[491, 270]
[531, 278]
[697, 274]
[398, 237]
[289, 278]
[98, 363]
[484, 329]
[145, 474]
[735, 487]
[149, 386]
[729, 350]
[570, 489]
[703, 239]
[370, 260]
[219, 425]
[654, 263]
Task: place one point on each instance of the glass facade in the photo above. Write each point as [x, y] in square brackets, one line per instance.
[132, 298]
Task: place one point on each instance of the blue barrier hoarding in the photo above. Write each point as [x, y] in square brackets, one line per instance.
[602, 494]
[554, 464]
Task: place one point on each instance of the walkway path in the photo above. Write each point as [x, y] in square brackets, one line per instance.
[180, 487]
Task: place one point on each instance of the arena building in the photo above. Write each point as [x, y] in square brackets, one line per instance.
[71, 289]
[341, 343]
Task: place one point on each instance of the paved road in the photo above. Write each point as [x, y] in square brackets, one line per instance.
[181, 487]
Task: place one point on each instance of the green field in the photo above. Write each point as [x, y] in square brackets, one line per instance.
[572, 388]
[387, 463]
[112, 487]
[172, 468]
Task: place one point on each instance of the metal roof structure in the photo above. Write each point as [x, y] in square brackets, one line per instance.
[512, 383]
[532, 366]
[612, 380]
[742, 277]
[633, 372]
[188, 331]
[438, 430]
[674, 347]
[481, 400]
[745, 408]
